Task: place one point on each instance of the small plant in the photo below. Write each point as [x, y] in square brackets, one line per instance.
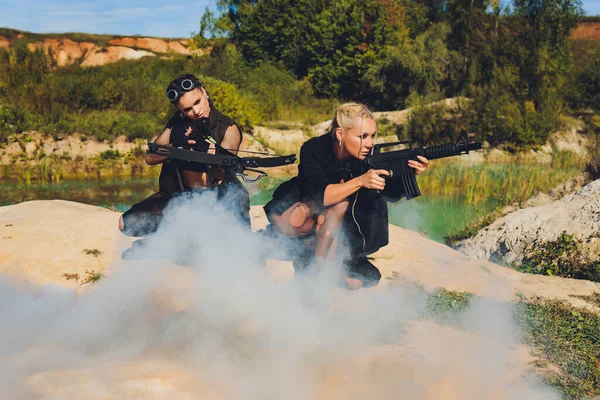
[561, 257]
[568, 339]
[110, 155]
[593, 298]
[394, 276]
[446, 305]
[69, 277]
[92, 252]
[92, 277]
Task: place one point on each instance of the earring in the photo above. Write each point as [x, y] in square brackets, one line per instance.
[341, 144]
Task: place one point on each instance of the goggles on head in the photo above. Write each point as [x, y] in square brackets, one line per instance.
[186, 85]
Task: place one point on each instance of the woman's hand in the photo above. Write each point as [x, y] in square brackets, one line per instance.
[372, 179]
[188, 132]
[420, 165]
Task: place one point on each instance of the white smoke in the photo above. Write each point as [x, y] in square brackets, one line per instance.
[194, 306]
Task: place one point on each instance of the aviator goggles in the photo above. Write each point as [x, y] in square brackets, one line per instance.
[186, 85]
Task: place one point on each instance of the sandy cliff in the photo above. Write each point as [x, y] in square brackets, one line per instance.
[66, 51]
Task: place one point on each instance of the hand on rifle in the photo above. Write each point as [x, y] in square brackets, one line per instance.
[372, 179]
[420, 165]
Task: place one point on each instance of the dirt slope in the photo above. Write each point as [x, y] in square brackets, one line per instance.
[127, 338]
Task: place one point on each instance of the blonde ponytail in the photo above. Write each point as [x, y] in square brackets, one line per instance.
[345, 115]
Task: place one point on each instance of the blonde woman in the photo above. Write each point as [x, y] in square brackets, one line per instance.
[326, 198]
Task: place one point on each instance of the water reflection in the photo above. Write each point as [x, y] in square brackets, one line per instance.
[436, 216]
[117, 194]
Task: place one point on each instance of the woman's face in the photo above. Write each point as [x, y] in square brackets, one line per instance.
[194, 104]
[357, 141]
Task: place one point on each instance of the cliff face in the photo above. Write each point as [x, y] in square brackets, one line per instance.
[66, 51]
[589, 30]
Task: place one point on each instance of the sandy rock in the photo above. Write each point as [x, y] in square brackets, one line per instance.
[497, 155]
[507, 238]
[571, 185]
[175, 46]
[152, 44]
[571, 140]
[281, 141]
[70, 145]
[13, 148]
[588, 30]
[113, 54]
[30, 148]
[65, 51]
[538, 200]
[126, 41]
[4, 42]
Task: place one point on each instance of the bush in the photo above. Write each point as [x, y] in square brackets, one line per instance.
[433, 124]
[229, 100]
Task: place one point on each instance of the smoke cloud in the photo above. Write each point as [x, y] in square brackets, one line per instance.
[193, 314]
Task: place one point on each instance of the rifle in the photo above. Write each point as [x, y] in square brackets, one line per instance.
[402, 181]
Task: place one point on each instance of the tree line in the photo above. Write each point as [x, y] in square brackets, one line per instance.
[513, 65]
[513, 61]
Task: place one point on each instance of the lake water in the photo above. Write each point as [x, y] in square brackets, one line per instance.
[435, 216]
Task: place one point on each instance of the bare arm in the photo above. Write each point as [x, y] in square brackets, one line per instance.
[164, 138]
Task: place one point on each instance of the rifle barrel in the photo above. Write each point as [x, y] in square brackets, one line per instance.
[447, 150]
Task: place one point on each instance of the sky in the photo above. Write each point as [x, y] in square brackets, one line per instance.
[172, 18]
[166, 18]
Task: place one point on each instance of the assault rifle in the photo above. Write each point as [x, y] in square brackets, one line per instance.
[402, 181]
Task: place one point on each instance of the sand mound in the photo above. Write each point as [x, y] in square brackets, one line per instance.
[173, 331]
[41, 240]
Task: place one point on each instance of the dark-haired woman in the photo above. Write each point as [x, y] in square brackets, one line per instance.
[195, 113]
[326, 198]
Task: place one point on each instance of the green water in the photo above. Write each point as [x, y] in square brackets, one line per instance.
[118, 194]
[437, 216]
[434, 215]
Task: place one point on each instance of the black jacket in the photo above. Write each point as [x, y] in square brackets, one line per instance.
[366, 222]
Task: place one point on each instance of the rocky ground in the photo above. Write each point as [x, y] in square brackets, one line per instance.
[506, 239]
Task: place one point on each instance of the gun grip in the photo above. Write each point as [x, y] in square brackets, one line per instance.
[411, 188]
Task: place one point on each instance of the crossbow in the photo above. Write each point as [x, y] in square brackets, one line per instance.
[225, 159]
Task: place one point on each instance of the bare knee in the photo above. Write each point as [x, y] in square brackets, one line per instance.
[299, 215]
[353, 283]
